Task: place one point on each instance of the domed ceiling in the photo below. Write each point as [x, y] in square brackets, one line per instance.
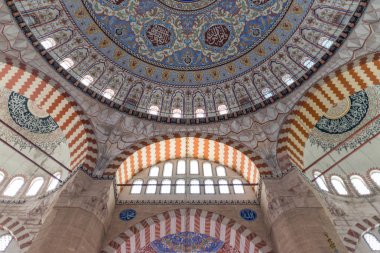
[187, 56]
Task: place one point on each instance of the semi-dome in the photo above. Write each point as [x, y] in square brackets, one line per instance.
[187, 61]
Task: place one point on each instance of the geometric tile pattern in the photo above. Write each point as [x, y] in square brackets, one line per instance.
[187, 220]
[184, 147]
[356, 231]
[344, 82]
[24, 239]
[48, 95]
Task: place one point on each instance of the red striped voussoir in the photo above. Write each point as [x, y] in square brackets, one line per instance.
[47, 94]
[187, 220]
[354, 234]
[18, 231]
[344, 82]
[150, 152]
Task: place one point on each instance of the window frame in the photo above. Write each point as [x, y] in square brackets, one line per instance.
[31, 185]
[10, 184]
[360, 179]
[338, 179]
[134, 184]
[320, 179]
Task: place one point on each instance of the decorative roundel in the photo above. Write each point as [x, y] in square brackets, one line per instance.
[127, 214]
[248, 214]
[28, 116]
[346, 115]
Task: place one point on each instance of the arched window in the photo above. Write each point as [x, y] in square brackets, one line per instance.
[54, 181]
[152, 186]
[359, 185]
[154, 110]
[87, 80]
[267, 93]
[287, 79]
[67, 63]
[181, 167]
[200, 113]
[373, 242]
[168, 169]
[220, 171]
[375, 175]
[166, 186]
[108, 93]
[1, 176]
[48, 43]
[180, 186]
[209, 186]
[321, 182]
[5, 240]
[137, 186]
[153, 172]
[339, 185]
[207, 169]
[222, 109]
[238, 186]
[194, 169]
[14, 186]
[35, 186]
[325, 42]
[194, 186]
[177, 113]
[307, 62]
[223, 187]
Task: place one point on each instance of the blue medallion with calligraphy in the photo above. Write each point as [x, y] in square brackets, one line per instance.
[127, 214]
[248, 214]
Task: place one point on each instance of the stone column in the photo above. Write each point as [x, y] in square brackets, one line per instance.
[296, 218]
[78, 220]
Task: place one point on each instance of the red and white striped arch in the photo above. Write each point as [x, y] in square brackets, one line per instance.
[354, 234]
[48, 94]
[183, 147]
[18, 230]
[187, 220]
[332, 89]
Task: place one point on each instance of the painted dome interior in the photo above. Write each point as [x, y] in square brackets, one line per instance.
[187, 61]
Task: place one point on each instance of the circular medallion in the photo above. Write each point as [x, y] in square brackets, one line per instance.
[127, 214]
[339, 110]
[248, 214]
[28, 116]
[345, 116]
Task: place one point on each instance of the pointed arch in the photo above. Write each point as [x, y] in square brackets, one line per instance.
[18, 231]
[351, 239]
[189, 220]
[48, 94]
[345, 81]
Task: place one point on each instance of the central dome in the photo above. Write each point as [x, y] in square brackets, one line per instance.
[187, 61]
[180, 41]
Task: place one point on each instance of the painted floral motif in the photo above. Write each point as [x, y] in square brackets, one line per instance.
[22, 116]
[190, 31]
[187, 242]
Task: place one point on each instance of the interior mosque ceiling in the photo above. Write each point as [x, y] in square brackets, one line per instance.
[188, 55]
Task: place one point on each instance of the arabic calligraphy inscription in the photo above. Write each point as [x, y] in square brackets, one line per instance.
[217, 35]
[158, 35]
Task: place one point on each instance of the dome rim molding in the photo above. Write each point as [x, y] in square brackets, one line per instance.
[341, 38]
